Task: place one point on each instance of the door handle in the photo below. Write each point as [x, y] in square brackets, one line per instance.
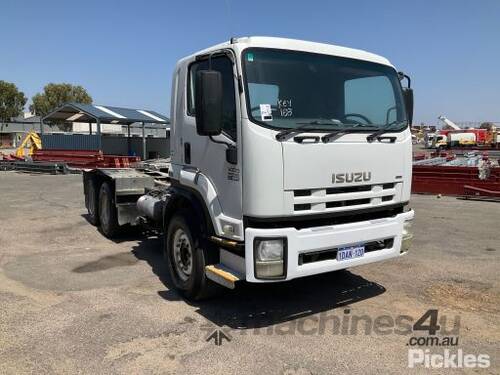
[187, 153]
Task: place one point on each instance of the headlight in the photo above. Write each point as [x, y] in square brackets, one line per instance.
[267, 250]
[407, 236]
[269, 256]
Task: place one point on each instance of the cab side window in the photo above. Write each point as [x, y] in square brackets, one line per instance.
[223, 65]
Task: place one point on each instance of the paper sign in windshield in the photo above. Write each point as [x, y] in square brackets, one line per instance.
[285, 107]
[266, 113]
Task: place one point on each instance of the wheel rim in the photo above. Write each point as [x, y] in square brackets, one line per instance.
[104, 209]
[183, 254]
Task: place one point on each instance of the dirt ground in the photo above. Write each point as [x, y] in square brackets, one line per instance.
[72, 301]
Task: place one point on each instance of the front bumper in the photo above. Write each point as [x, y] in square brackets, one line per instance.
[310, 240]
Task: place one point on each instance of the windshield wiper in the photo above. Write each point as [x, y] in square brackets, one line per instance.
[305, 126]
[388, 128]
[317, 122]
[340, 132]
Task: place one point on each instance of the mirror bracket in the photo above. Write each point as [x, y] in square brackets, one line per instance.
[402, 76]
[231, 150]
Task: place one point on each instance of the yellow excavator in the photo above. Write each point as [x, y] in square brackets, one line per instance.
[31, 140]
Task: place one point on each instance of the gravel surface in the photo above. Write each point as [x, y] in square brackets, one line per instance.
[72, 301]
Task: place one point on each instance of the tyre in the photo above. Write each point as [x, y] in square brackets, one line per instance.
[91, 202]
[107, 211]
[187, 254]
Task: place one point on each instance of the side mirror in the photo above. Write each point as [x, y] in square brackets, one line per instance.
[208, 102]
[408, 98]
[232, 155]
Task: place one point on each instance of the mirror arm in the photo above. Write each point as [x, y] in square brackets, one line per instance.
[402, 76]
[225, 52]
[219, 142]
[409, 80]
[231, 155]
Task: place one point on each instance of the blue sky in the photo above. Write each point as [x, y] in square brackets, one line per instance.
[123, 52]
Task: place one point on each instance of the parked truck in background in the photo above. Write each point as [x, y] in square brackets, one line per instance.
[288, 158]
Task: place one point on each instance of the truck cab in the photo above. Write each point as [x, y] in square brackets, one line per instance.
[288, 158]
[439, 141]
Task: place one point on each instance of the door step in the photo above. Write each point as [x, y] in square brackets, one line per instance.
[222, 275]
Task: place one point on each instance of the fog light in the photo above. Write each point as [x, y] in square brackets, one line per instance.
[407, 237]
[269, 256]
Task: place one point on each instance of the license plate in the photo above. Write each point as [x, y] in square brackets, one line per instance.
[351, 252]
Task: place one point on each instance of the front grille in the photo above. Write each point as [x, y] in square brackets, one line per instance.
[348, 189]
[302, 207]
[354, 202]
[334, 199]
[324, 219]
[301, 193]
[318, 256]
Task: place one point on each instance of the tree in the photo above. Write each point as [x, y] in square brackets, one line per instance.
[12, 101]
[55, 95]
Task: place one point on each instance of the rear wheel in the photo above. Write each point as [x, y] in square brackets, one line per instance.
[187, 254]
[107, 211]
[91, 202]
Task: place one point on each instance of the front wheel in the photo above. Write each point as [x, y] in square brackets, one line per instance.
[187, 255]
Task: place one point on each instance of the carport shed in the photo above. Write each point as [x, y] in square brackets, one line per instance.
[99, 114]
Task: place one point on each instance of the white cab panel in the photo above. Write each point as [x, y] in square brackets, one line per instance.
[311, 165]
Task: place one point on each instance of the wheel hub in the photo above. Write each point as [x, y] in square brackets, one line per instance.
[183, 254]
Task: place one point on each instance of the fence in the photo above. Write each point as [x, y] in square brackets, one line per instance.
[70, 142]
[110, 144]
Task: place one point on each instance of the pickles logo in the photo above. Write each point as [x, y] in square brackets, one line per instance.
[340, 178]
[447, 359]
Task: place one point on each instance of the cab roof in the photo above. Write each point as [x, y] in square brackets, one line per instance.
[295, 45]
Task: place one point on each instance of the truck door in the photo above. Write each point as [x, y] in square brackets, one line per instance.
[209, 155]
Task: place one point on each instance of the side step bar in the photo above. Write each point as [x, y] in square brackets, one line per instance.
[222, 275]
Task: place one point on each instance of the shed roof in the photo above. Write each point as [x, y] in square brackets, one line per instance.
[78, 112]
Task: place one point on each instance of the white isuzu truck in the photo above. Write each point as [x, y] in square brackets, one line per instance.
[288, 158]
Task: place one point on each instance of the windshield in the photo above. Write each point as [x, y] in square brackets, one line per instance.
[290, 89]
